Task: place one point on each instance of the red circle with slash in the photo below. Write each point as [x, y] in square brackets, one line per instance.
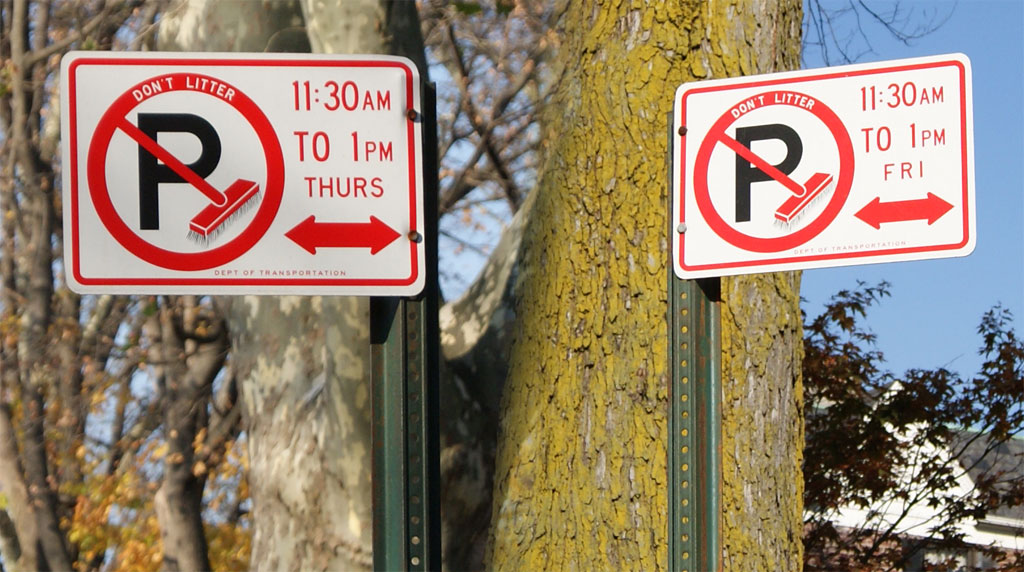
[718, 135]
[116, 117]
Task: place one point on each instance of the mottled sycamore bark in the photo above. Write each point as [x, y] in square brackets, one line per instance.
[307, 404]
[304, 362]
[581, 467]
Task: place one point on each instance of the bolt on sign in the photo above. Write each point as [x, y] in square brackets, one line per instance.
[242, 174]
[828, 167]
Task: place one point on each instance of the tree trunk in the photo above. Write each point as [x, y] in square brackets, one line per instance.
[581, 469]
[187, 362]
[302, 365]
[225, 25]
[18, 529]
[762, 423]
[37, 218]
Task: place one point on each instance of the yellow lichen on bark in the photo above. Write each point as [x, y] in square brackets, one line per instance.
[581, 471]
[762, 423]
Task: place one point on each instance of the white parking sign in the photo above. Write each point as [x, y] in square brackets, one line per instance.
[242, 174]
[829, 167]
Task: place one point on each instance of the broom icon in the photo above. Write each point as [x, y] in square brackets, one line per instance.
[803, 195]
[234, 201]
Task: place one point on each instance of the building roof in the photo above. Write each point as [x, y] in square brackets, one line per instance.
[1005, 461]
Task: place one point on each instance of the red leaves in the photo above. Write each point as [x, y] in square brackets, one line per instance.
[892, 445]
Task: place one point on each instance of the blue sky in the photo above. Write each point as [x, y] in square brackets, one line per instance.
[930, 319]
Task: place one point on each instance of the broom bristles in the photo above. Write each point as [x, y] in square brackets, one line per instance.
[241, 196]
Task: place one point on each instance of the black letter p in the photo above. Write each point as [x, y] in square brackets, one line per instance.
[152, 173]
[747, 174]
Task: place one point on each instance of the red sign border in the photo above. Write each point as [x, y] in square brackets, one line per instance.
[227, 281]
[831, 74]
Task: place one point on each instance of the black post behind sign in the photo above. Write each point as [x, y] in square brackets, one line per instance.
[405, 377]
[695, 417]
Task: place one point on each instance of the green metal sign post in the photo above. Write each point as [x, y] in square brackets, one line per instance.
[405, 377]
[695, 426]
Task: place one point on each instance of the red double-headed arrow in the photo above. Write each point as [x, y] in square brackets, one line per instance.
[311, 235]
[930, 208]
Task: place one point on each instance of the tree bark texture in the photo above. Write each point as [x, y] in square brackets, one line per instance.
[225, 25]
[580, 479]
[307, 413]
[581, 468]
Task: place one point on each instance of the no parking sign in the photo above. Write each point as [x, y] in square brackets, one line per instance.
[242, 174]
[830, 167]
